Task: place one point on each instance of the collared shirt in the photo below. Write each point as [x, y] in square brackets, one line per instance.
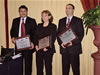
[69, 18]
[20, 25]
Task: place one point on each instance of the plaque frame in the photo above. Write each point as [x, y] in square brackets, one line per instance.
[22, 49]
[64, 32]
[50, 42]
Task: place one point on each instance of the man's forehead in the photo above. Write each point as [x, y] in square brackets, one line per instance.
[69, 6]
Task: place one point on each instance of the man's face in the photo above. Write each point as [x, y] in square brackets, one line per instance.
[69, 10]
[23, 12]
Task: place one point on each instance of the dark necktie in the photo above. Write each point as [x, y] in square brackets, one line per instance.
[67, 25]
[22, 28]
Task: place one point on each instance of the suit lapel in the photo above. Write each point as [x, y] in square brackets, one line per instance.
[64, 22]
[18, 24]
[26, 22]
[72, 21]
[26, 25]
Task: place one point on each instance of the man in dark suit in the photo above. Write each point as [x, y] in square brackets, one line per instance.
[23, 26]
[70, 54]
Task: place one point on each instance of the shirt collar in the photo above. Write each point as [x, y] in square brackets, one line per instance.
[24, 18]
[70, 17]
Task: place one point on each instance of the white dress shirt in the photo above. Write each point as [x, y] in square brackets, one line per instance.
[20, 25]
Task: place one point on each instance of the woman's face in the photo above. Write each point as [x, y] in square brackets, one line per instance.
[45, 17]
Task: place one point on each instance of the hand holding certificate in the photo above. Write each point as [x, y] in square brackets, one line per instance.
[23, 43]
[44, 42]
[67, 36]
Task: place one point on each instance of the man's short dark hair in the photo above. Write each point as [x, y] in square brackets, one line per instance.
[71, 5]
[23, 7]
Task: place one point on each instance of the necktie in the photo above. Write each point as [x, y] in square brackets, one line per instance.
[22, 28]
[67, 25]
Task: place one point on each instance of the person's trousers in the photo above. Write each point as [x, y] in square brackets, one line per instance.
[44, 58]
[27, 59]
[70, 60]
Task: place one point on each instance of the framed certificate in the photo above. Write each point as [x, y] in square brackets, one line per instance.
[23, 43]
[44, 42]
[67, 36]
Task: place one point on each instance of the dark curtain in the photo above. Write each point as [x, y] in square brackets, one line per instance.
[89, 4]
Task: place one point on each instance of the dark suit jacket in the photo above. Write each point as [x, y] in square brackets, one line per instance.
[30, 27]
[41, 31]
[77, 26]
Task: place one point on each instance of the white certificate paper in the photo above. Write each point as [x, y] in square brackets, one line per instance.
[23, 43]
[67, 36]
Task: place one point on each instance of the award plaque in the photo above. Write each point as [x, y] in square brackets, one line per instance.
[44, 42]
[23, 43]
[67, 36]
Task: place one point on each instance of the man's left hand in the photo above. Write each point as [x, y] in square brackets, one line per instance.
[70, 44]
[32, 45]
[45, 49]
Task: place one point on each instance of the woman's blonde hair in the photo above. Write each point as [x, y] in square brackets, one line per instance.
[49, 14]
